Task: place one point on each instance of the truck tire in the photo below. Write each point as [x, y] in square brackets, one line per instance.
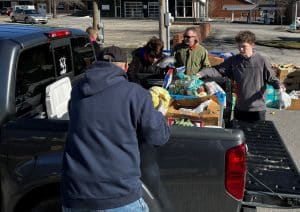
[48, 205]
[13, 19]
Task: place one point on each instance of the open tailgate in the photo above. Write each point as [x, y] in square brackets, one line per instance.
[272, 178]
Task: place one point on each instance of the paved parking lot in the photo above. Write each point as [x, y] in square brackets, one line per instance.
[129, 33]
[132, 33]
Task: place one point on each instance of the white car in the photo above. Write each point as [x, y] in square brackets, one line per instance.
[298, 22]
[28, 16]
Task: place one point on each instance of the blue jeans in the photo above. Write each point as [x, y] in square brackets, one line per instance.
[138, 206]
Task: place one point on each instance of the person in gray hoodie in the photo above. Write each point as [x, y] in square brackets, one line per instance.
[250, 72]
[110, 118]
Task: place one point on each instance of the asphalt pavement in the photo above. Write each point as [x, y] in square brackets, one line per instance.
[132, 33]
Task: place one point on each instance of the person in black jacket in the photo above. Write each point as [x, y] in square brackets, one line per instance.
[144, 60]
[109, 119]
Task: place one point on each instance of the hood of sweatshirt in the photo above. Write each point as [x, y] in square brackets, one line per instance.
[100, 76]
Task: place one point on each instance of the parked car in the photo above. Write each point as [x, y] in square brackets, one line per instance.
[28, 16]
[298, 22]
[6, 11]
[199, 169]
[3, 11]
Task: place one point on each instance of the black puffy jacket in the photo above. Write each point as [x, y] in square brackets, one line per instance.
[141, 71]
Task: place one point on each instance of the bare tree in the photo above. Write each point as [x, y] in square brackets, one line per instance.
[281, 8]
[96, 15]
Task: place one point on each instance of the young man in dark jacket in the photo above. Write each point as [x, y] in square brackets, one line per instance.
[250, 72]
[144, 60]
[109, 118]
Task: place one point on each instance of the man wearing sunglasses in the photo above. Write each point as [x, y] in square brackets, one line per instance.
[190, 53]
[144, 60]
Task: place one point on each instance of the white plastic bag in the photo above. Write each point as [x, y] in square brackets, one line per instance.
[284, 100]
[212, 88]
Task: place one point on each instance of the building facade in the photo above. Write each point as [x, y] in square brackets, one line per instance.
[180, 9]
[232, 9]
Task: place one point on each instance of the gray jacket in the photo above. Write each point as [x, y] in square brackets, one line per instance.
[250, 76]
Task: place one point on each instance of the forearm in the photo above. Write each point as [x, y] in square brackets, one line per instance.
[209, 72]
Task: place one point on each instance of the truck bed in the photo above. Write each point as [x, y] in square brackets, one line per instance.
[272, 178]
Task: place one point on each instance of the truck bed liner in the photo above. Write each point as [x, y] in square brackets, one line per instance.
[272, 177]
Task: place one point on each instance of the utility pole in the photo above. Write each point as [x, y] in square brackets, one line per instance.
[296, 13]
[165, 22]
[162, 28]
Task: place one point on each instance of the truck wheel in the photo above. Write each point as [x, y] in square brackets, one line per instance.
[48, 205]
[13, 19]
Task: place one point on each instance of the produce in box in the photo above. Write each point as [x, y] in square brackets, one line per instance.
[160, 95]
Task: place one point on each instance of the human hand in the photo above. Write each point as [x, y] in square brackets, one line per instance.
[199, 75]
[282, 88]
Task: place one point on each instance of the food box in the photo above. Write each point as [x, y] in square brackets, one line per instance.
[285, 71]
[295, 104]
[209, 116]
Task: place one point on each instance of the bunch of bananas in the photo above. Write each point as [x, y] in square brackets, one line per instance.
[160, 94]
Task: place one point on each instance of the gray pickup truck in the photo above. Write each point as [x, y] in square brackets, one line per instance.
[199, 169]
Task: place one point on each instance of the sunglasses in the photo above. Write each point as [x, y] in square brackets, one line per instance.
[188, 37]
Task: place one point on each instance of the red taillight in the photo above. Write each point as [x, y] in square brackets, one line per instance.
[235, 171]
[59, 34]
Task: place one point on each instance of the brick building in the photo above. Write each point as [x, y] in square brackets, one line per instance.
[232, 9]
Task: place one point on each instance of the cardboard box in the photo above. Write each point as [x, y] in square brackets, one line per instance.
[295, 104]
[285, 71]
[209, 116]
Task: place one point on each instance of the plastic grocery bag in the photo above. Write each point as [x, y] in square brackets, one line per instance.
[212, 88]
[284, 100]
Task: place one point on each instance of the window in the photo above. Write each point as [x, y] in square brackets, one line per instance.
[83, 54]
[63, 60]
[184, 8]
[35, 71]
